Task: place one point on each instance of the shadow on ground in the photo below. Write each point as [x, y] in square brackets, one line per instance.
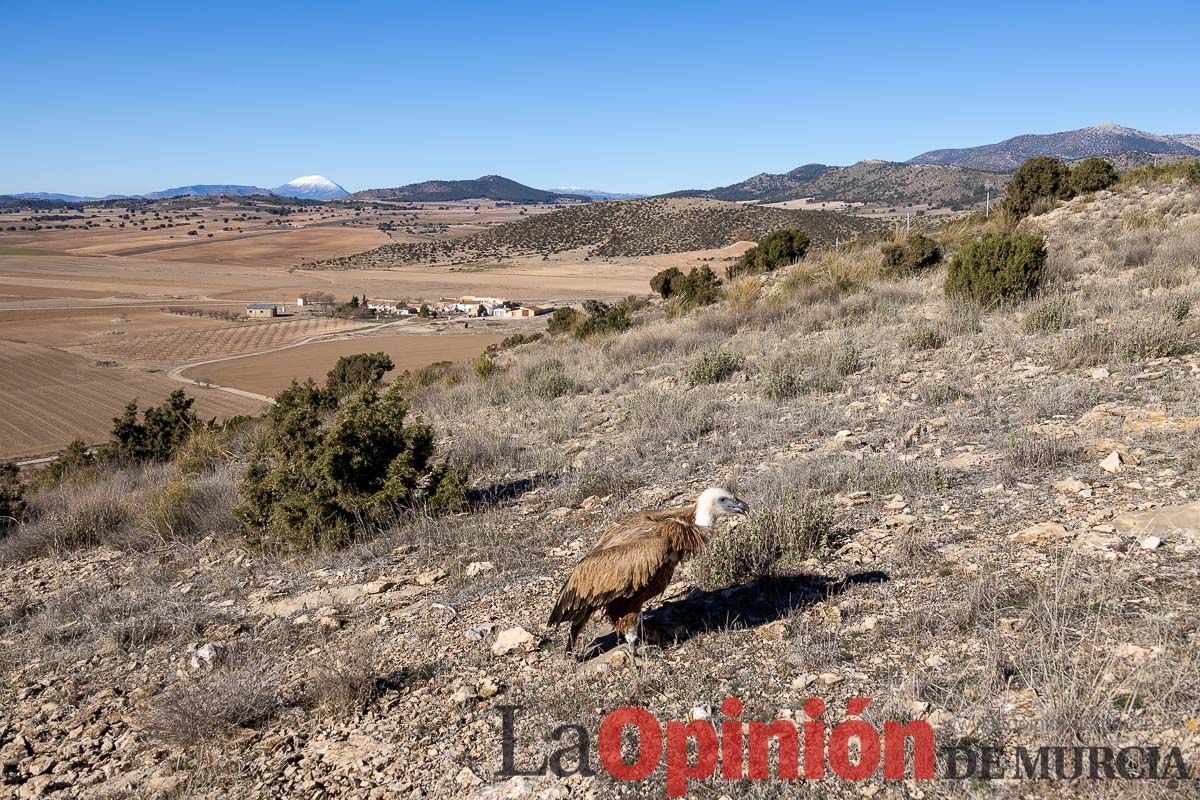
[749, 605]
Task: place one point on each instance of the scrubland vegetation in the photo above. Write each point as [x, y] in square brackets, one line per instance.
[918, 422]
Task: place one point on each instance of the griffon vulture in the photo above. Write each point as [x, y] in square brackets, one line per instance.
[634, 560]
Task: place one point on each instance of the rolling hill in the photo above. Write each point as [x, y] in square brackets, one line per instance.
[488, 187]
[207, 190]
[877, 182]
[651, 226]
[1097, 140]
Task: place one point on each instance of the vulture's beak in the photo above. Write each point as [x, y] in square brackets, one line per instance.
[740, 508]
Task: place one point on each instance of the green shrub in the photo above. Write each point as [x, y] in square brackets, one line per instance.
[915, 254]
[12, 494]
[515, 340]
[667, 282]
[563, 320]
[485, 367]
[166, 513]
[352, 372]
[603, 319]
[997, 268]
[700, 287]
[923, 336]
[714, 366]
[447, 491]
[778, 249]
[163, 429]
[1092, 175]
[1178, 308]
[778, 537]
[319, 482]
[1039, 179]
[1049, 316]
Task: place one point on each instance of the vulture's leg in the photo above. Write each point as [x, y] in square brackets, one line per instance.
[628, 627]
[576, 629]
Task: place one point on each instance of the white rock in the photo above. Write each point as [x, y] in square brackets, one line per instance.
[430, 578]
[477, 567]
[1039, 533]
[804, 681]
[1112, 463]
[207, 655]
[1151, 543]
[1070, 486]
[514, 640]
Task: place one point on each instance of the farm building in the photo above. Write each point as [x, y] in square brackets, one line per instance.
[261, 310]
[528, 311]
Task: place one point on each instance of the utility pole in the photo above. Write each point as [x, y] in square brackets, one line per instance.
[988, 212]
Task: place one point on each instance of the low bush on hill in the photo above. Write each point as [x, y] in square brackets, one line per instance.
[158, 435]
[997, 268]
[714, 366]
[698, 287]
[1092, 175]
[327, 468]
[780, 536]
[779, 249]
[1048, 316]
[924, 336]
[916, 253]
[1037, 180]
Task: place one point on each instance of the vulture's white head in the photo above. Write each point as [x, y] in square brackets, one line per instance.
[717, 502]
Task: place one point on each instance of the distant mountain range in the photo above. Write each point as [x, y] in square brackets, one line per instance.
[488, 187]
[598, 194]
[871, 181]
[310, 187]
[953, 177]
[1097, 140]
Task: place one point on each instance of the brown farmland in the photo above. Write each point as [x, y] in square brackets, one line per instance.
[269, 373]
[49, 397]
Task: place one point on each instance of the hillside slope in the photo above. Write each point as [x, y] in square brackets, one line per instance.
[644, 227]
[489, 187]
[1097, 140]
[872, 182]
[986, 522]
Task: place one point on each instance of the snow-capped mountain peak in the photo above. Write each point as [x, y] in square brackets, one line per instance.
[311, 187]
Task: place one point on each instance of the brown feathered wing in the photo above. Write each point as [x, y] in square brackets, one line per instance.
[627, 557]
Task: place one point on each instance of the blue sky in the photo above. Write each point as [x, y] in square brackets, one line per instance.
[134, 97]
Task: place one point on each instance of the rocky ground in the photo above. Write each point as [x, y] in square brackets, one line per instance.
[1015, 510]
